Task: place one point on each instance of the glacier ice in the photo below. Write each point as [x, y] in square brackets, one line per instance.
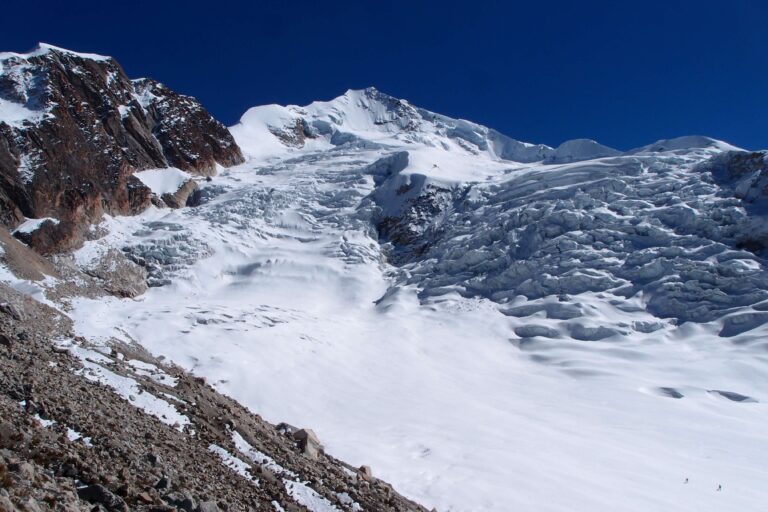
[460, 310]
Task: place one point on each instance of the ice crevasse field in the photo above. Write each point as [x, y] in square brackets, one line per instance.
[490, 325]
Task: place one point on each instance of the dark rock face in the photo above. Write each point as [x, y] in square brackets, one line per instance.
[414, 230]
[294, 135]
[81, 128]
[101, 495]
[745, 175]
[191, 139]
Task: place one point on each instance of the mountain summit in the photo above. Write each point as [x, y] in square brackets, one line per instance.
[372, 116]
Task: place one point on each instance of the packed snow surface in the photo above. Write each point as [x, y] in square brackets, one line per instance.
[564, 330]
[15, 114]
[31, 225]
[163, 181]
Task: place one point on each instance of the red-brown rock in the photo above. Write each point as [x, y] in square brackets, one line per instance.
[88, 128]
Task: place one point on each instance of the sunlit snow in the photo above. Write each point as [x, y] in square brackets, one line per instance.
[451, 383]
[163, 181]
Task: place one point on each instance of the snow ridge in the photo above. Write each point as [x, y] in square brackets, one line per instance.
[369, 117]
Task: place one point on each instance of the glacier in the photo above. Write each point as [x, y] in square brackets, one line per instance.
[491, 325]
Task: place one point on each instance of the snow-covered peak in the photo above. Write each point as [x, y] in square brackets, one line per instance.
[353, 117]
[45, 48]
[367, 117]
[684, 143]
[621, 299]
[367, 111]
[580, 149]
[25, 91]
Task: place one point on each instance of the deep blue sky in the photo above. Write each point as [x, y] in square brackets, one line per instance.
[622, 72]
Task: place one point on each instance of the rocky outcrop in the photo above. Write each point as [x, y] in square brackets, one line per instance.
[76, 128]
[181, 196]
[191, 139]
[745, 175]
[118, 275]
[411, 233]
[294, 135]
[62, 278]
[21, 260]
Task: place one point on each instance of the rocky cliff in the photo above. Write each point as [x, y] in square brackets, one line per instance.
[74, 129]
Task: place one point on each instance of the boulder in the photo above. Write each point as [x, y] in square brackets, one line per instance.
[100, 495]
[163, 484]
[208, 506]
[120, 276]
[308, 443]
[181, 500]
[7, 505]
[365, 473]
[9, 435]
[12, 311]
[181, 196]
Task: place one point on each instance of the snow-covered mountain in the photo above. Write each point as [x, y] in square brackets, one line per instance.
[491, 325]
[73, 131]
[366, 118]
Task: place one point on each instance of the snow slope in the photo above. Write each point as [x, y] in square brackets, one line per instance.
[566, 329]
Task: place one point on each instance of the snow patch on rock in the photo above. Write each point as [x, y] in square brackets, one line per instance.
[95, 369]
[31, 225]
[16, 114]
[308, 497]
[163, 181]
